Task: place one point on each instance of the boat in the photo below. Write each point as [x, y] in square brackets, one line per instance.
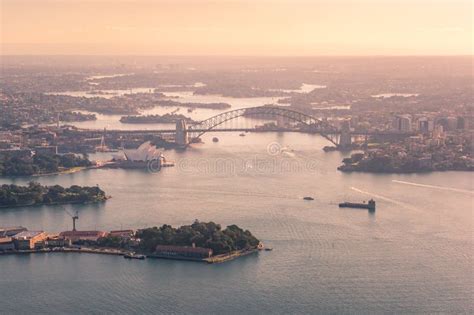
[134, 256]
[370, 205]
[308, 198]
[242, 134]
[268, 249]
[215, 139]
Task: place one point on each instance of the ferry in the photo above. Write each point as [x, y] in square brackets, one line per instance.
[134, 256]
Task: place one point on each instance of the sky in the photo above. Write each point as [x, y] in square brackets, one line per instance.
[236, 27]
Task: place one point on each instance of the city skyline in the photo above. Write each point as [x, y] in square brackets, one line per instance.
[236, 156]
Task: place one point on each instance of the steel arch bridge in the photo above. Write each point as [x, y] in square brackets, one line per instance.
[311, 124]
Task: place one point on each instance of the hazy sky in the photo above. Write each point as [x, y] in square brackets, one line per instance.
[237, 27]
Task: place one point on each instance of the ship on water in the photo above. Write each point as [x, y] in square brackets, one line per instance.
[134, 256]
[370, 205]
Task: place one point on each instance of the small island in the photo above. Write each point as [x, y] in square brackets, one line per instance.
[208, 236]
[200, 241]
[155, 119]
[35, 195]
[41, 164]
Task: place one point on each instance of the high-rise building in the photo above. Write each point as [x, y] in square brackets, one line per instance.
[448, 123]
[402, 123]
[425, 125]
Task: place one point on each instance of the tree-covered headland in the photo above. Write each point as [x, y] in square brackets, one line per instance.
[40, 164]
[36, 194]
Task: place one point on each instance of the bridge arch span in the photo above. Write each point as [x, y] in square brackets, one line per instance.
[313, 124]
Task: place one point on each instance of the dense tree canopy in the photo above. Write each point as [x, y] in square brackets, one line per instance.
[34, 194]
[40, 164]
[202, 234]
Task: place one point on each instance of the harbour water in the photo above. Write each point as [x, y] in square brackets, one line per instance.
[197, 114]
[388, 95]
[413, 255]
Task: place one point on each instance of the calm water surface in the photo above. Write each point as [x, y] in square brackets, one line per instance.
[198, 114]
[413, 255]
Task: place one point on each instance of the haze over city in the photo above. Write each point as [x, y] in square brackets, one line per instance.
[236, 27]
[236, 156]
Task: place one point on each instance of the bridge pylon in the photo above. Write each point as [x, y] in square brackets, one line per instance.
[181, 137]
[345, 140]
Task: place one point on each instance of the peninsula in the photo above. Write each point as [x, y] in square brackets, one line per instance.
[394, 162]
[35, 194]
[40, 164]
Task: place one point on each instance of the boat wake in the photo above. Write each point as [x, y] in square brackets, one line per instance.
[402, 204]
[464, 191]
[232, 193]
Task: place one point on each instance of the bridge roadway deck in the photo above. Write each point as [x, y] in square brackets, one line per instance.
[172, 131]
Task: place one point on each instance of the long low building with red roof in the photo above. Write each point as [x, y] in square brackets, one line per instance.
[122, 233]
[169, 251]
[90, 236]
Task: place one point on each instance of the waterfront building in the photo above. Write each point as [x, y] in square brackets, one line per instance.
[56, 240]
[123, 234]
[83, 236]
[28, 239]
[6, 243]
[11, 231]
[141, 157]
[190, 252]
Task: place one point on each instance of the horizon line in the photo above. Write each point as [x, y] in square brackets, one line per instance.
[243, 56]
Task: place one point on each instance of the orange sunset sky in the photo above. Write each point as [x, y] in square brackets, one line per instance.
[237, 27]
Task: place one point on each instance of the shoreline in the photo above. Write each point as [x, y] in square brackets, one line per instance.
[71, 170]
[120, 252]
[403, 172]
[56, 203]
